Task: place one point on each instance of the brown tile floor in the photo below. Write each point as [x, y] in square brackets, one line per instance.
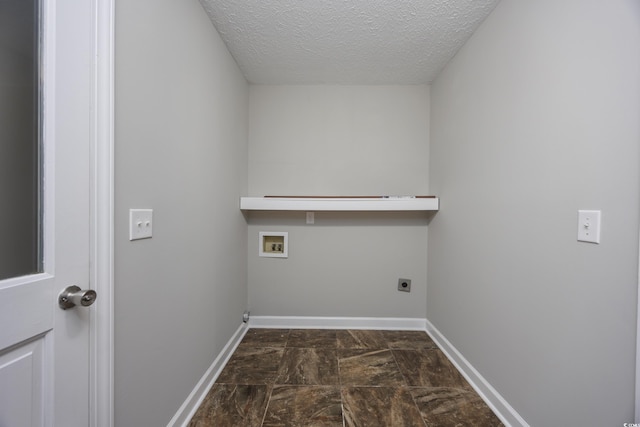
[311, 377]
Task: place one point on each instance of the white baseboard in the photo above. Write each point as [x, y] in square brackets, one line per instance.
[191, 405]
[490, 395]
[302, 322]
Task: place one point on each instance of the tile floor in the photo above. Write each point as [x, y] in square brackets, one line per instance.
[313, 377]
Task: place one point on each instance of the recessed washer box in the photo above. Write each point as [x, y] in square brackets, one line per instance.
[273, 244]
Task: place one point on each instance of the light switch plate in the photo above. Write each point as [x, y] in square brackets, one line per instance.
[140, 224]
[589, 226]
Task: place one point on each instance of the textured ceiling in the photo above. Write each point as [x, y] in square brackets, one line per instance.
[345, 41]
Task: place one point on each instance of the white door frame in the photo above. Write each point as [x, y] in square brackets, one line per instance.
[637, 398]
[102, 225]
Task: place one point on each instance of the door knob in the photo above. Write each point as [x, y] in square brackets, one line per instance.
[73, 295]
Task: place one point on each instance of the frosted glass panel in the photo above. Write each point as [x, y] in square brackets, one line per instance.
[20, 216]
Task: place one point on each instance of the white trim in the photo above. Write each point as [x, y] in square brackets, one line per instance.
[48, 143]
[300, 322]
[48, 135]
[102, 224]
[490, 395]
[197, 395]
[637, 399]
[311, 204]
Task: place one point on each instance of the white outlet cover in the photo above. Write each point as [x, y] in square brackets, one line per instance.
[589, 226]
[311, 217]
[140, 224]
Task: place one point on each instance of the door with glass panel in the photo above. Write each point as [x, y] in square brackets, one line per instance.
[46, 125]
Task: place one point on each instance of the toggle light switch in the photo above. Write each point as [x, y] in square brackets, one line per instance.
[140, 223]
[589, 226]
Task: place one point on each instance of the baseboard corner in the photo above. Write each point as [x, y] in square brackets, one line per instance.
[487, 392]
[197, 395]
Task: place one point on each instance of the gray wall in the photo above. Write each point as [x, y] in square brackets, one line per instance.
[181, 118]
[339, 140]
[342, 140]
[535, 118]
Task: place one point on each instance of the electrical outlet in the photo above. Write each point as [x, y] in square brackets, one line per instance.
[404, 285]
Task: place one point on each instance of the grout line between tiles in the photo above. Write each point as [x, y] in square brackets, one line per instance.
[416, 405]
[344, 421]
[266, 408]
[406, 381]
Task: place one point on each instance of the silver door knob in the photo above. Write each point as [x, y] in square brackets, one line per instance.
[73, 295]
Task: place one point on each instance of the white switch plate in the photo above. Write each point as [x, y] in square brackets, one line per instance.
[311, 217]
[140, 224]
[589, 226]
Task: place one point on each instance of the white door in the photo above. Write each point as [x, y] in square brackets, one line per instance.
[44, 350]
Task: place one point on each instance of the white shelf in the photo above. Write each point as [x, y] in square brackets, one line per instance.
[313, 204]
